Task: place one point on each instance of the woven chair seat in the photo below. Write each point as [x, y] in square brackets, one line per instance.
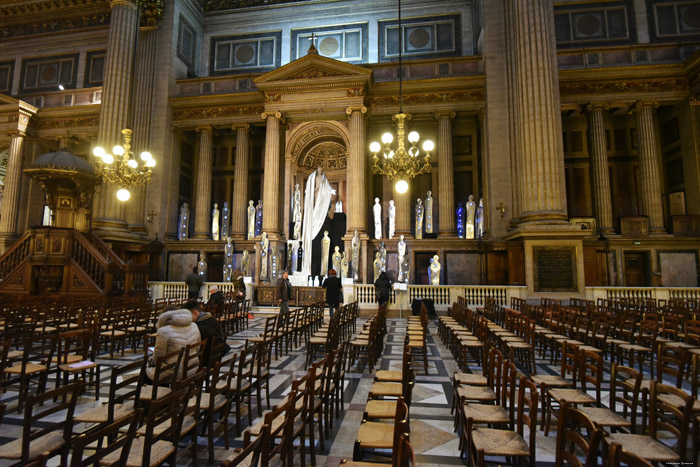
[380, 409]
[140, 328]
[389, 376]
[616, 341]
[603, 416]
[70, 369]
[318, 340]
[472, 343]
[635, 347]
[552, 381]
[14, 354]
[100, 413]
[187, 424]
[470, 379]
[44, 445]
[361, 464]
[677, 402]
[574, 396]
[518, 345]
[260, 338]
[68, 325]
[644, 446]
[415, 344]
[468, 338]
[71, 358]
[160, 451]
[483, 413]
[476, 393]
[646, 384]
[681, 345]
[386, 389]
[115, 333]
[375, 435]
[589, 348]
[147, 392]
[499, 442]
[245, 384]
[30, 369]
[360, 342]
[219, 401]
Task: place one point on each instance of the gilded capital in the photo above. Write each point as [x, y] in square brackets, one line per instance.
[448, 114]
[355, 108]
[208, 128]
[129, 3]
[597, 106]
[277, 114]
[240, 126]
[693, 101]
[151, 12]
[651, 105]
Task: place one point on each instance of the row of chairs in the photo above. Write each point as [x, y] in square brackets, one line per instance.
[328, 336]
[369, 342]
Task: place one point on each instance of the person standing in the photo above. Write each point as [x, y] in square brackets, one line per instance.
[383, 286]
[284, 292]
[194, 283]
[334, 296]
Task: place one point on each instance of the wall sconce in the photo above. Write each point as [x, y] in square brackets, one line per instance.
[502, 209]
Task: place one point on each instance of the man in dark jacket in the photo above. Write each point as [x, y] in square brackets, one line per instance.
[383, 286]
[194, 283]
[334, 295]
[209, 329]
[284, 292]
[216, 299]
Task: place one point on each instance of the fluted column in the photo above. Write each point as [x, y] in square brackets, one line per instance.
[114, 109]
[12, 192]
[356, 204]
[691, 161]
[445, 191]
[271, 185]
[404, 212]
[204, 169]
[144, 75]
[599, 167]
[542, 186]
[649, 165]
[239, 214]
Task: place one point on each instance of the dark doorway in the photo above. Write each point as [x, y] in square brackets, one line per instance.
[215, 267]
[420, 272]
[637, 269]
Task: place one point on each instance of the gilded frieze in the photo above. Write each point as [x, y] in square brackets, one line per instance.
[77, 122]
[476, 95]
[616, 87]
[217, 112]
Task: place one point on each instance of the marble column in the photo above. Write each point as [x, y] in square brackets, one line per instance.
[144, 76]
[114, 110]
[271, 192]
[203, 193]
[445, 189]
[649, 165]
[691, 161]
[542, 187]
[356, 203]
[599, 167]
[12, 191]
[405, 205]
[239, 216]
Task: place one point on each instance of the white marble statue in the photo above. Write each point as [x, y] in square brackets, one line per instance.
[429, 212]
[184, 223]
[419, 219]
[355, 245]
[215, 223]
[339, 206]
[336, 259]
[434, 270]
[377, 265]
[202, 265]
[377, 208]
[392, 219]
[258, 218]
[401, 247]
[228, 260]
[317, 281]
[317, 199]
[291, 251]
[404, 270]
[225, 221]
[274, 262]
[382, 251]
[245, 264]
[325, 252]
[251, 220]
[297, 212]
[471, 213]
[264, 256]
[344, 266]
[480, 219]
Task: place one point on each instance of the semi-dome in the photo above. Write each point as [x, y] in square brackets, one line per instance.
[65, 160]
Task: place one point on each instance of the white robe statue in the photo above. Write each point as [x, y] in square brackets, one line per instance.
[296, 215]
[228, 260]
[382, 251]
[471, 213]
[344, 266]
[480, 219]
[336, 259]
[377, 219]
[434, 270]
[251, 220]
[325, 252]
[183, 225]
[317, 200]
[245, 264]
[225, 221]
[419, 219]
[264, 256]
[429, 213]
[355, 245]
[392, 219]
[215, 223]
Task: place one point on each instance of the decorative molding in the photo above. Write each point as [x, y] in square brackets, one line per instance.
[330, 155]
[217, 112]
[450, 115]
[276, 114]
[477, 95]
[616, 87]
[646, 104]
[208, 128]
[151, 12]
[52, 16]
[219, 5]
[237, 126]
[594, 106]
[67, 123]
[355, 108]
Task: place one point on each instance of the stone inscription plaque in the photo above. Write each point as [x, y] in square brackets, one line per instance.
[555, 269]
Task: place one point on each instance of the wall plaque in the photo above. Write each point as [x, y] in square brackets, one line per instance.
[555, 269]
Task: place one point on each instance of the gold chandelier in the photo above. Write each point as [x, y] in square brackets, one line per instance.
[121, 168]
[401, 164]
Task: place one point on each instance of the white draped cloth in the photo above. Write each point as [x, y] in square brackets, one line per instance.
[315, 212]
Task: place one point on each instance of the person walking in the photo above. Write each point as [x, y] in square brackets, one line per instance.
[194, 283]
[334, 295]
[284, 292]
[383, 288]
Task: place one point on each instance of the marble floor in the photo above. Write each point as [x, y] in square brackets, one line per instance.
[431, 423]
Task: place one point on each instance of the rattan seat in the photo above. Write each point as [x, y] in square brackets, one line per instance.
[389, 376]
[635, 347]
[160, 451]
[30, 368]
[574, 396]
[551, 381]
[380, 409]
[219, 401]
[381, 388]
[187, 424]
[483, 413]
[100, 413]
[147, 392]
[470, 379]
[643, 446]
[43, 445]
[603, 416]
[376, 435]
[499, 442]
[476, 393]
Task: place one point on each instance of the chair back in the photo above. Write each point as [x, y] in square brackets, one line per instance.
[281, 421]
[528, 401]
[119, 435]
[625, 384]
[193, 357]
[671, 361]
[400, 422]
[125, 385]
[494, 369]
[405, 457]
[618, 456]
[570, 436]
[569, 361]
[166, 368]
[252, 455]
[508, 387]
[164, 421]
[671, 412]
[591, 372]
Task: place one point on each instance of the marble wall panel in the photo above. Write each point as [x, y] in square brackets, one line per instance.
[679, 269]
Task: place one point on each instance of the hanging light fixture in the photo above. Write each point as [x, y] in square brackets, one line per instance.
[397, 162]
[121, 168]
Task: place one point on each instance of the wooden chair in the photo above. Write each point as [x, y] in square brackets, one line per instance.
[570, 432]
[378, 435]
[261, 374]
[618, 456]
[240, 385]
[643, 347]
[44, 432]
[36, 364]
[120, 434]
[166, 368]
[671, 361]
[192, 416]
[402, 456]
[193, 358]
[281, 421]
[493, 442]
[215, 408]
[253, 454]
[74, 358]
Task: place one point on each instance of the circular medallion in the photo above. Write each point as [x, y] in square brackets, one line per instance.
[328, 46]
[588, 25]
[419, 38]
[691, 16]
[245, 53]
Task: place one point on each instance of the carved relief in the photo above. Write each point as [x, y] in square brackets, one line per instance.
[67, 123]
[476, 95]
[217, 112]
[329, 155]
[612, 87]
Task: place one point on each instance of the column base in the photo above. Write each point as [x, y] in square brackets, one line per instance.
[447, 234]
[139, 229]
[112, 229]
[201, 236]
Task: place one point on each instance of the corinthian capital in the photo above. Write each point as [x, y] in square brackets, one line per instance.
[151, 12]
[201, 128]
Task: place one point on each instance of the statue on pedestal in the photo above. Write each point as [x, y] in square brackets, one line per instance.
[355, 245]
[429, 212]
[264, 247]
[339, 206]
[245, 264]
[184, 223]
[325, 252]
[434, 270]
[377, 209]
[297, 213]
[317, 204]
[382, 251]
[471, 213]
[404, 270]
[290, 256]
[460, 220]
[480, 219]
[228, 260]
[258, 218]
[202, 265]
[251, 220]
[225, 222]
[344, 266]
[215, 223]
[317, 282]
[401, 246]
[419, 219]
[337, 257]
[377, 265]
[392, 219]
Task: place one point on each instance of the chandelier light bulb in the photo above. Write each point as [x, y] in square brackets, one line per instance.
[413, 137]
[118, 150]
[132, 164]
[390, 155]
[401, 186]
[99, 152]
[413, 151]
[375, 147]
[145, 156]
[107, 159]
[151, 162]
[428, 145]
[387, 138]
[123, 194]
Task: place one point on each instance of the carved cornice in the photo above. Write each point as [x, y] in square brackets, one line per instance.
[218, 112]
[220, 5]
[76, 122]
[151, 12]
[623, 86]
[51, 16]
[476, 95]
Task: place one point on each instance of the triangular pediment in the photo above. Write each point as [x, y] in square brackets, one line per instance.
[313, 67]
